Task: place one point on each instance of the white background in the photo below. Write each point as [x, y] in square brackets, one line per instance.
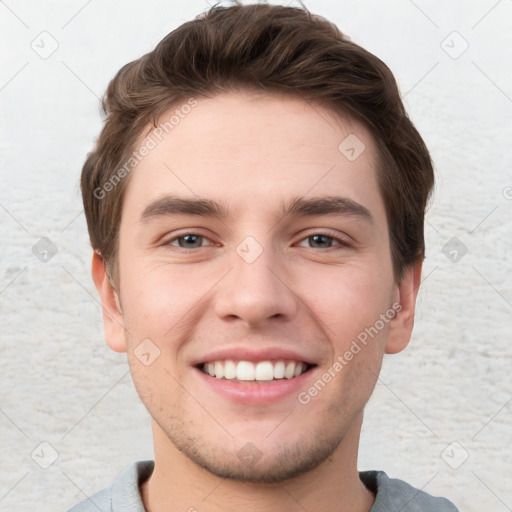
[61, 385]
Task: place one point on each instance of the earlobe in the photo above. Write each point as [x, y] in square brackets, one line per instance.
[113, 322]
[400, 328]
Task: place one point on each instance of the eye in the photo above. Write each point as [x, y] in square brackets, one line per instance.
[316, 241]
[324, 241]
[188, 241]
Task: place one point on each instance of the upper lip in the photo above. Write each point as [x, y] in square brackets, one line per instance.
[245, 353]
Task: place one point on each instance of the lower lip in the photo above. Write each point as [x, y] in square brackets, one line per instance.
[255, 393]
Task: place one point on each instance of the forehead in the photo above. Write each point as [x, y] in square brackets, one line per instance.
[253, 151]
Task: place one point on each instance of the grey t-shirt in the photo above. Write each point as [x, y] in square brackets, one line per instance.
[391, 495]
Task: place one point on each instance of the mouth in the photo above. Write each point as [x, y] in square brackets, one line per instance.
[252, 372]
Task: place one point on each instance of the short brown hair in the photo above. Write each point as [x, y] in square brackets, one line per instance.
[271, 49]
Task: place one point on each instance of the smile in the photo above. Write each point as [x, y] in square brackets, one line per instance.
[247, 371]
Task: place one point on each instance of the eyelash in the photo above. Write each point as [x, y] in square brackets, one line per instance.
[341, 244]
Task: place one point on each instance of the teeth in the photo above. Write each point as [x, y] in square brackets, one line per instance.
[229, 370]
[290, 370]
[245, 371]
[249, 371]
[279, 370]
[264, 371]
[219, 370]
[298, 370]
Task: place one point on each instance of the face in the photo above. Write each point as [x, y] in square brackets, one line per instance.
[256, 293]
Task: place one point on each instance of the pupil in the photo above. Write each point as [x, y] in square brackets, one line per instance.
[320, 239]
[189, 238]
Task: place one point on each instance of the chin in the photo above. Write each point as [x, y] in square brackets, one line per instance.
[272, 464]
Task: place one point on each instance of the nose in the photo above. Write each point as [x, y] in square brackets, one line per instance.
[256, 291]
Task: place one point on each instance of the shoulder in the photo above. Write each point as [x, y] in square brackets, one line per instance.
[100, 501]
[392, 493]
[123, 494]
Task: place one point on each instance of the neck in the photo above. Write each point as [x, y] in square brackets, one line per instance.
[333, 486]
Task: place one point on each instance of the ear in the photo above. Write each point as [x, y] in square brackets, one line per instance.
[113, 323]
[400, 327]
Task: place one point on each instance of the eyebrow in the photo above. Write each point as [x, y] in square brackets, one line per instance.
[330, 205]
[299, 206]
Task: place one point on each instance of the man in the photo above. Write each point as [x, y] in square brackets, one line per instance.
[255, 202]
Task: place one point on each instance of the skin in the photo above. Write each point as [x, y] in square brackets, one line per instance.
[254, 152]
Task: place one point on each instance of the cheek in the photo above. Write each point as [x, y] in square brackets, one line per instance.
[156, 298]
[349, 300]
